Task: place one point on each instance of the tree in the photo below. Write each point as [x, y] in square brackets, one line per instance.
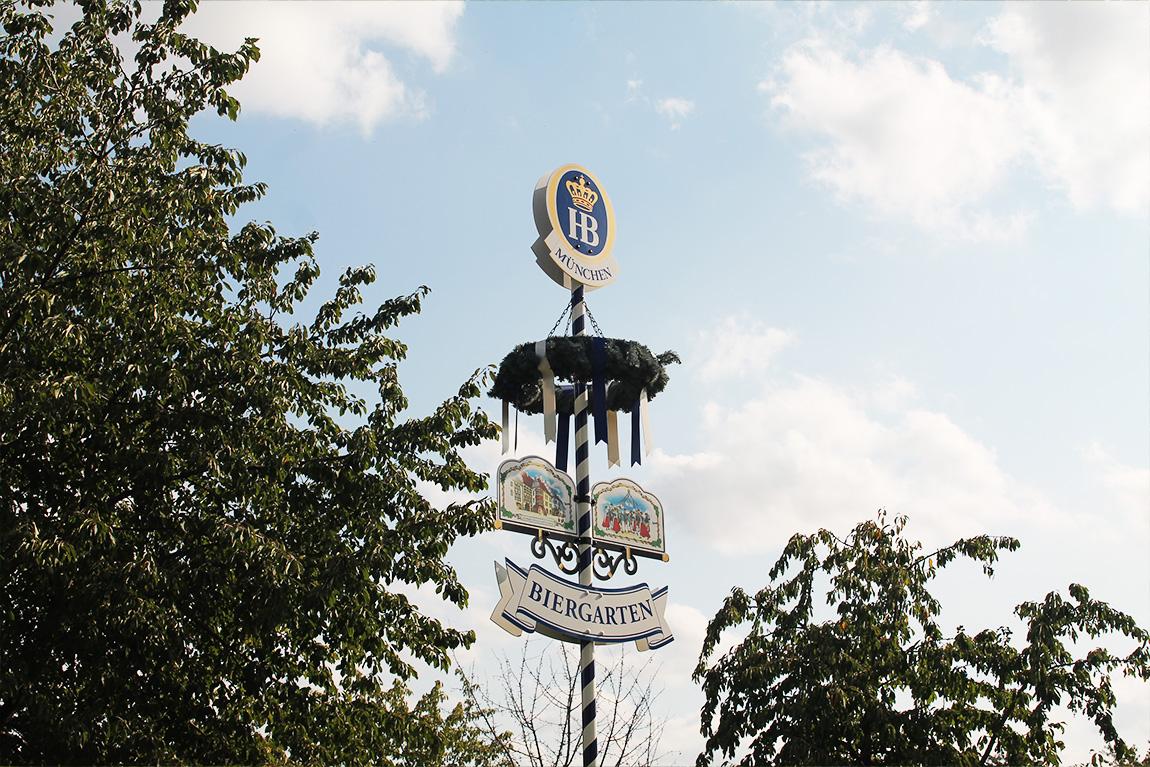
[879, 683]
[421, 736]
[538, 696]
[206, 520]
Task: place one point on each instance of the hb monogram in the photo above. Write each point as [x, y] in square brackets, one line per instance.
[581, 224]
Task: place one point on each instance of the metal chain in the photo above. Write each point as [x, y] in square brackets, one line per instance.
[591, 317]
[566, 309]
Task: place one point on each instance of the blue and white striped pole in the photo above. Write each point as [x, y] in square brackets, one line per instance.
[583, 507]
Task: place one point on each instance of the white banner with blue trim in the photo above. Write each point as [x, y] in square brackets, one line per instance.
[536, 601]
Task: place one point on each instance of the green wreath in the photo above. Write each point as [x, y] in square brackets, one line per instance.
[630, 368]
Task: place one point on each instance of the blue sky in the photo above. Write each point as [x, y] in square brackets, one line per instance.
[902, 249]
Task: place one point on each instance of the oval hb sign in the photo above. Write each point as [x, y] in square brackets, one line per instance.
[576, 228]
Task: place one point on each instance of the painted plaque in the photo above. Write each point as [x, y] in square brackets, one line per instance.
[534, 495]
[627, 515]
[576, 225]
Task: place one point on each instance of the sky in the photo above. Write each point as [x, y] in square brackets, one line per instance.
[902, 250]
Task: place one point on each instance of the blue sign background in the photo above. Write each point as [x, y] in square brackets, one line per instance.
[599, 212]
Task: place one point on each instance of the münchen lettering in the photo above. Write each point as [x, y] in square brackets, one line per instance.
[582, 272]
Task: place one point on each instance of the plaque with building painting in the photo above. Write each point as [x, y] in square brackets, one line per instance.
[533, 495]
[628, 516]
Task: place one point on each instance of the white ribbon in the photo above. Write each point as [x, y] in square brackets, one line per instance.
[647, 439]
[612, 438]
[549, 421]
[612, 431]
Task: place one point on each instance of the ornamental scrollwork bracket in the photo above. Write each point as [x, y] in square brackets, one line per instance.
[566, 555]
[606, 562]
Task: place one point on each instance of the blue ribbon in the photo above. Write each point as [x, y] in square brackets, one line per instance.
[599, 386]
[562, 438]
[636, 457]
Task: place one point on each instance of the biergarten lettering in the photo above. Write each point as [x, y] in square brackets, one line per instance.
[604, 616]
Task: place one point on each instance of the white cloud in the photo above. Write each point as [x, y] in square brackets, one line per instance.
[1083, 86]
[809, 454]
[917, 14]
[675, 109]
[690, 627]
[903, 137]
[1126, 488]
[738, 346]
[894, 393]
[320, 61]
[681, 741]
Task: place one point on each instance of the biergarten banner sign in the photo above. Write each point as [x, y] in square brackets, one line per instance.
[536, 601]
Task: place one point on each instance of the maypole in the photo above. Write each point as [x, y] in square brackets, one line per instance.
[589, 531]
[583, 510]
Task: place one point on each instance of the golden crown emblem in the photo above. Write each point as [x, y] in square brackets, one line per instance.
[582, 195]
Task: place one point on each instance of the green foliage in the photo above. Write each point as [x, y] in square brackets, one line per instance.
[1109, 758]
[204, 531]
[421, 736]
[880, 684]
